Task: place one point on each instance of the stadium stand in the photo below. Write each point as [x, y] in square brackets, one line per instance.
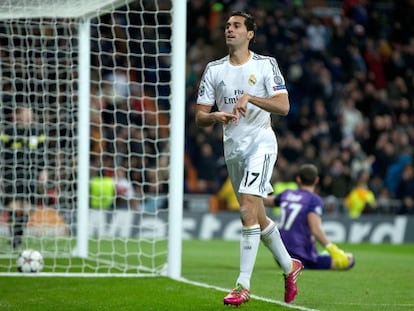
[348, 66]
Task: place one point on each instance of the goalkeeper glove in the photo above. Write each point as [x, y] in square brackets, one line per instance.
[338, 256]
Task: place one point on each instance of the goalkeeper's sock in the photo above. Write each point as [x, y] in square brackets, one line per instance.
[249, 245]
[271, 238]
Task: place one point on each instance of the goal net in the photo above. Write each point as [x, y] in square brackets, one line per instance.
[86, 125]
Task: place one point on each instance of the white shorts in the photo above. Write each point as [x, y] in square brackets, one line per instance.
[253, 176]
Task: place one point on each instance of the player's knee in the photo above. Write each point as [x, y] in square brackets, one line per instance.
[247, 216]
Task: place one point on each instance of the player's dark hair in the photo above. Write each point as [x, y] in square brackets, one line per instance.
[308, 174]
[248, 20]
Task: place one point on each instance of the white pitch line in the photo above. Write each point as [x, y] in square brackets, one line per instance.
[382, 305]
[280, 303]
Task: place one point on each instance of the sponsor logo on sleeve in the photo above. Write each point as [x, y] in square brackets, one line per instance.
[279, 87]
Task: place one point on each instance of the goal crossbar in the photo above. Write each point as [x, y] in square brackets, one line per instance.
[12, 9]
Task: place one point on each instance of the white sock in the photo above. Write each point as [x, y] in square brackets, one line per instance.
[249, 246]
[271, 238]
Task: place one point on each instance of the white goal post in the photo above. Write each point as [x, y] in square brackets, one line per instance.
[101, 160]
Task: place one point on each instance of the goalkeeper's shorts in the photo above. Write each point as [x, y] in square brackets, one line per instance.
[322, 262]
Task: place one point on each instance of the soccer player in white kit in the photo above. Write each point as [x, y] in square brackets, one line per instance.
[247, 88]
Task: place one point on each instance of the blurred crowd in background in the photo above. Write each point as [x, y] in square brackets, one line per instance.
[349, 70]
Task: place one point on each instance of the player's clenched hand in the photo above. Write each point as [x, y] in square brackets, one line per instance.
[339, 257]
[241, 106]
[224, 117]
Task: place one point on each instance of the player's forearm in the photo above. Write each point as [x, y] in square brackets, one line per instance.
[320, 237]
[315, 226]
[204, 119]
[323, 240]
[278, 104]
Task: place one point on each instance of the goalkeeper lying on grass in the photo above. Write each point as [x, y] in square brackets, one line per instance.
[300, 224]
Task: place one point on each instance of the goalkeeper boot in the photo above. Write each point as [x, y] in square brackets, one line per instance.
[291, 289]
[237, 296]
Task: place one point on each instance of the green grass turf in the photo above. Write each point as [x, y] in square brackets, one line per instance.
[383, 279]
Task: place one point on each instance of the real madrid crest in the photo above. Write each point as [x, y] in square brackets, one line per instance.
[252, 80]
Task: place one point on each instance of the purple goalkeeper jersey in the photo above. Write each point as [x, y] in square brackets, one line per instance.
[295, 206]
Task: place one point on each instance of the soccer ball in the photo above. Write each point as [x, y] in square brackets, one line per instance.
[29, 260]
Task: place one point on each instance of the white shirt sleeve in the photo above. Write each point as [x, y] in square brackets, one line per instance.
[275, 82]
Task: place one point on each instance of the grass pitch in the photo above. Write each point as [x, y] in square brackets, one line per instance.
[382, 279]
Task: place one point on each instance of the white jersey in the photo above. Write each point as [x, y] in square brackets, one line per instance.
[223, 83]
